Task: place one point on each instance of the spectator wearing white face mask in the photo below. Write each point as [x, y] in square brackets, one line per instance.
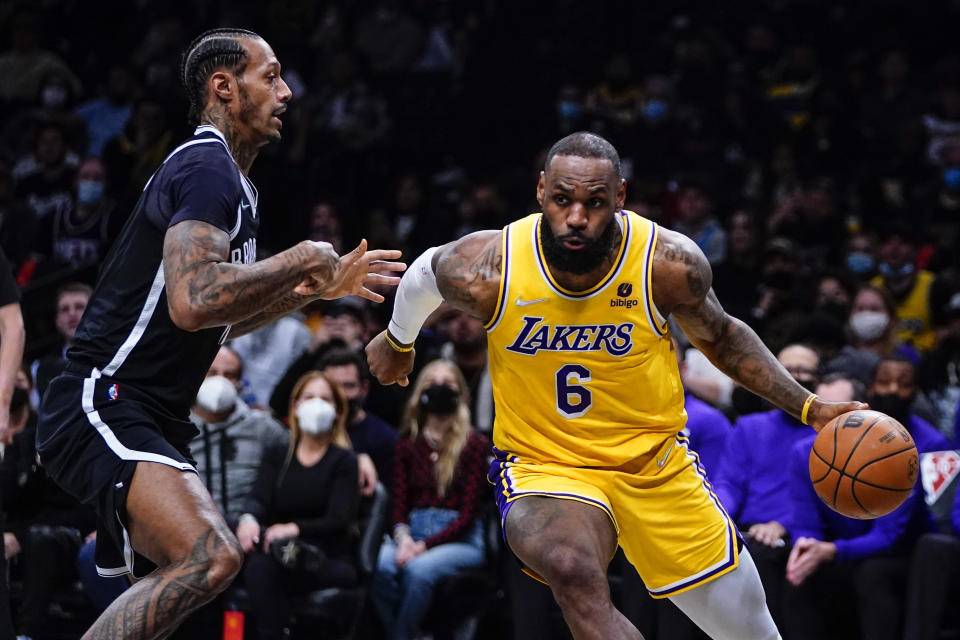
[295, 531]
[233, 437]
[871, 330]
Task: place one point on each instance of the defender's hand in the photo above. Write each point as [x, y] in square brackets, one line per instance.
[386, 363]
[821, 412]
[322, 262]
[359, 269]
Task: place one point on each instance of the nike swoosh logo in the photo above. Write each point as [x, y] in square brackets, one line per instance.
[523, 303]
[244, 205]
[663, 460]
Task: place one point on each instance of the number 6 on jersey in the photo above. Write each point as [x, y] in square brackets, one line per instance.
[573, 400]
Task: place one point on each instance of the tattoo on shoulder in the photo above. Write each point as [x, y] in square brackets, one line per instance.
[461, 271]
[487, 267]
[697, 269]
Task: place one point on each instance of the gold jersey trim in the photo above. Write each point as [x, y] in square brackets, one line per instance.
[504, 281]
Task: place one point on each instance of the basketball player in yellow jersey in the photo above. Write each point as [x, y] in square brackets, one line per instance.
[588, 395]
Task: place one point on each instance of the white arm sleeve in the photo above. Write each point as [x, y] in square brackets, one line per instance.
[417, 297]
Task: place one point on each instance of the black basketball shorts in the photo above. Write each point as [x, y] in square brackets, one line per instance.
[91, 433]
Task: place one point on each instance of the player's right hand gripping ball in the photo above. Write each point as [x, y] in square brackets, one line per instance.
[864, 464]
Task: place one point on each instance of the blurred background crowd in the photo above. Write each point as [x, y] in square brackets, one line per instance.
[810, 148]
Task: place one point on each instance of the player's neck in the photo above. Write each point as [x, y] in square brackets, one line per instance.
[243, 151]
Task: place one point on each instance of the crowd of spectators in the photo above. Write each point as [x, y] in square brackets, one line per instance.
[810, 148]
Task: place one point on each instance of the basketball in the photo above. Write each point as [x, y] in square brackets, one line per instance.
[863, 464]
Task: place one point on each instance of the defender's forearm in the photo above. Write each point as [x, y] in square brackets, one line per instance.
[740, 354]
[220, 293]
[289, 303]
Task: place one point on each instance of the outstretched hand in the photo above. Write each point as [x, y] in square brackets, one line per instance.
[822, 412]
[386, 363]
[355, 272]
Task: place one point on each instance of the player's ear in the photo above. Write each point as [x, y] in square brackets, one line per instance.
[541, 187]
[621, 194]
[221, 85]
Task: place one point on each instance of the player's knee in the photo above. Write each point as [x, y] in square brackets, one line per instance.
[569, 570]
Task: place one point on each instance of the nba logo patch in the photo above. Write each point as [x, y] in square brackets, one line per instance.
[113, 392]
[938, 469]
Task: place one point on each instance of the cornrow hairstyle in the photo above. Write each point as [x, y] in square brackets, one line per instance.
[584, 144]
[212, 50]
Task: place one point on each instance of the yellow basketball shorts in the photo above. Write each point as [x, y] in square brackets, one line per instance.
[667, 518]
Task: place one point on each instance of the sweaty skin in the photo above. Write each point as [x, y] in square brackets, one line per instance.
[567, 542]
[573, 197]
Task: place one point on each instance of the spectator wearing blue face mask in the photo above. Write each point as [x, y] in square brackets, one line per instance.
[696, 220]
[859, 260]
[569, 109]
[911, 287]
[83, 227]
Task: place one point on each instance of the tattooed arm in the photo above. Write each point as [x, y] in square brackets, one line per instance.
[682, 286]
[290, 302]
[205, 290]
[466, 273]
[358, 270]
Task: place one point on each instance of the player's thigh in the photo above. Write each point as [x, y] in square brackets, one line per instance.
[672, 526]
[170, 513]
[557, 537]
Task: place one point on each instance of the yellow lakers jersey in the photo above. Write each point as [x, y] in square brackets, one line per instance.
[914, 322]
[583, 378]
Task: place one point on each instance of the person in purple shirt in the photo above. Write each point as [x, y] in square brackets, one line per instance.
[834, 556]
[706, 427]
[751, 482]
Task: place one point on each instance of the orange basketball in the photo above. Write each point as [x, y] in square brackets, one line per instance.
[864, 464]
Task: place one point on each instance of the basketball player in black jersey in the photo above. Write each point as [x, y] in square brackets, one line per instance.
[180, 279]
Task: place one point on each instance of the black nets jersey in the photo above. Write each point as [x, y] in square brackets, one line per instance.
[126, 333]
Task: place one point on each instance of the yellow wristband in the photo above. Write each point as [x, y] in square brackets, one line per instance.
[806, 407]
[393, 343]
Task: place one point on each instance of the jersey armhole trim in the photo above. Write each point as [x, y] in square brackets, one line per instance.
[504, 282]
[657, 322]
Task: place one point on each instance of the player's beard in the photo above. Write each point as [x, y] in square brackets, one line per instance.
[251, 114]
[578, 261]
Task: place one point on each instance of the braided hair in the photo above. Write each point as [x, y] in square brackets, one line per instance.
[212, 50]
